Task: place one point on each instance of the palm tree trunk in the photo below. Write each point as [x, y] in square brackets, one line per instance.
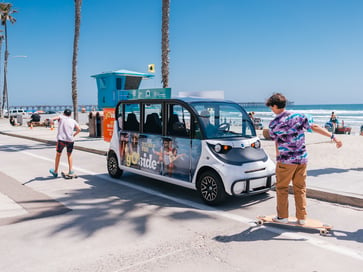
[1, 46]
[165, 44]
[5, 90]
[5, 12]
[77, 25]
[5, 87]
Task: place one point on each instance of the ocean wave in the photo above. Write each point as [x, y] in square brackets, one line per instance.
[328, 112]
[351, 118]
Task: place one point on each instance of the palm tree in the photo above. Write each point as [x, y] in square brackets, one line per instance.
[5, 15]
[77, 25]
[165, 43]
[1, 46]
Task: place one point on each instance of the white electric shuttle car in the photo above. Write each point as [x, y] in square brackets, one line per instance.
[206, 145]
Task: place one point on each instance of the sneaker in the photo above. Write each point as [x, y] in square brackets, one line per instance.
[301, 221]
[280, 220]
[53, 173]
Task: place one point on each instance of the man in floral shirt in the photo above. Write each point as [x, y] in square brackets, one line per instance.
[288, 132]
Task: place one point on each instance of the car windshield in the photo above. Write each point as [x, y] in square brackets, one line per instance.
[223, 119]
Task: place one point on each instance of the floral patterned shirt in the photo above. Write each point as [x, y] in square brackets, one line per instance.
[287, 130]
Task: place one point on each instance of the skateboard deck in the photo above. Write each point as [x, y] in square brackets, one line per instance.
[67, 176]
[309, 223]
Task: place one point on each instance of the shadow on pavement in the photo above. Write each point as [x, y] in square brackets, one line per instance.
[102, 204]
[36, 204]
[348, 235]
[16, 148]
[253, 234]
[327, 171]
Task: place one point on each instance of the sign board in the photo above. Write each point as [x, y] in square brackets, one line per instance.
[155, 93]
[108, 122]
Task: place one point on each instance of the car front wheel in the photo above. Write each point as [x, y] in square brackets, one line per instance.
[112, 165]
[211, 188]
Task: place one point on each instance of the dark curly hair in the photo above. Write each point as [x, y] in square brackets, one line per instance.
[277, 99]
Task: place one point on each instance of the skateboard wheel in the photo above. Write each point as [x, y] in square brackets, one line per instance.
[324, 232]
[259, 222]
[328, 227]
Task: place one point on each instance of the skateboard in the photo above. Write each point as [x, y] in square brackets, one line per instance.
[309, 223]
[68, 176]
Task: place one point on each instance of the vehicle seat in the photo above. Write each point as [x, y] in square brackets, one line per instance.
[157, 120]
[152, 124]
[175, 127]
[131, 122]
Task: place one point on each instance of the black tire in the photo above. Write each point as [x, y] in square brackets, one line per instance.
[211, 188]
[112, 165]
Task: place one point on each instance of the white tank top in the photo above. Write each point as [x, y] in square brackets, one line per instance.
[66, 127]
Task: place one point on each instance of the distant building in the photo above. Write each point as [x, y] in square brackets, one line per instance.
[124, 85]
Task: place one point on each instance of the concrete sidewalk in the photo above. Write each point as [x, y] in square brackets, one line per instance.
[342, 186]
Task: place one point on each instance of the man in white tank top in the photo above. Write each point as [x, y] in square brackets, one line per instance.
[68, 128]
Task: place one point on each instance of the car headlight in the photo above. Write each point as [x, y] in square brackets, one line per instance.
[239, 187]
[218, 148]
[222, 148]
[256, 144]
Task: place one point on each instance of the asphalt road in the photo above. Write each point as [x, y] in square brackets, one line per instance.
[96, 223]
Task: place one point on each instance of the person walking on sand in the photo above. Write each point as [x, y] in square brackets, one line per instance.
[65, 139]
[334, 120]
[287, 130]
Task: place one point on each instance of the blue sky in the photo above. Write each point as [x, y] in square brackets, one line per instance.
[311, 50]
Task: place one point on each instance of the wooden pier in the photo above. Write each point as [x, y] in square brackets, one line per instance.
[56, 108]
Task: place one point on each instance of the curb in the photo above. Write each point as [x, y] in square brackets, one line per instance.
[335, 198]
[331, 197]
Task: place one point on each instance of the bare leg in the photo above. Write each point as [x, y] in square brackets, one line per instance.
[70, 162]
[57, 160]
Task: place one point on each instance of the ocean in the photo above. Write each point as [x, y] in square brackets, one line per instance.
[350, 114]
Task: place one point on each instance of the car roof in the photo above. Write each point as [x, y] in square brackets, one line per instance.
[184, 99]
[190, 99]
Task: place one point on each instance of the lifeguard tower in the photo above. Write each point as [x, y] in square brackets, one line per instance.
[124, 85]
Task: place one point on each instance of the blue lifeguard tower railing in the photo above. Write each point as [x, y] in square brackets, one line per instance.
[124, 85]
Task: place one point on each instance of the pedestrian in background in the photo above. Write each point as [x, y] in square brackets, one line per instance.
[334, 120]
[68, 128]
[287, 130]
[12, 121]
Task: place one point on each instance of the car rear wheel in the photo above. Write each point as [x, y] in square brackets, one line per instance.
[112, 165]
[211, 188]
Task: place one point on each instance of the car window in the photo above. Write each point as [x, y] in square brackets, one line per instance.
[220, 120]
[178, 121]
[132, 117]
[152, 118]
